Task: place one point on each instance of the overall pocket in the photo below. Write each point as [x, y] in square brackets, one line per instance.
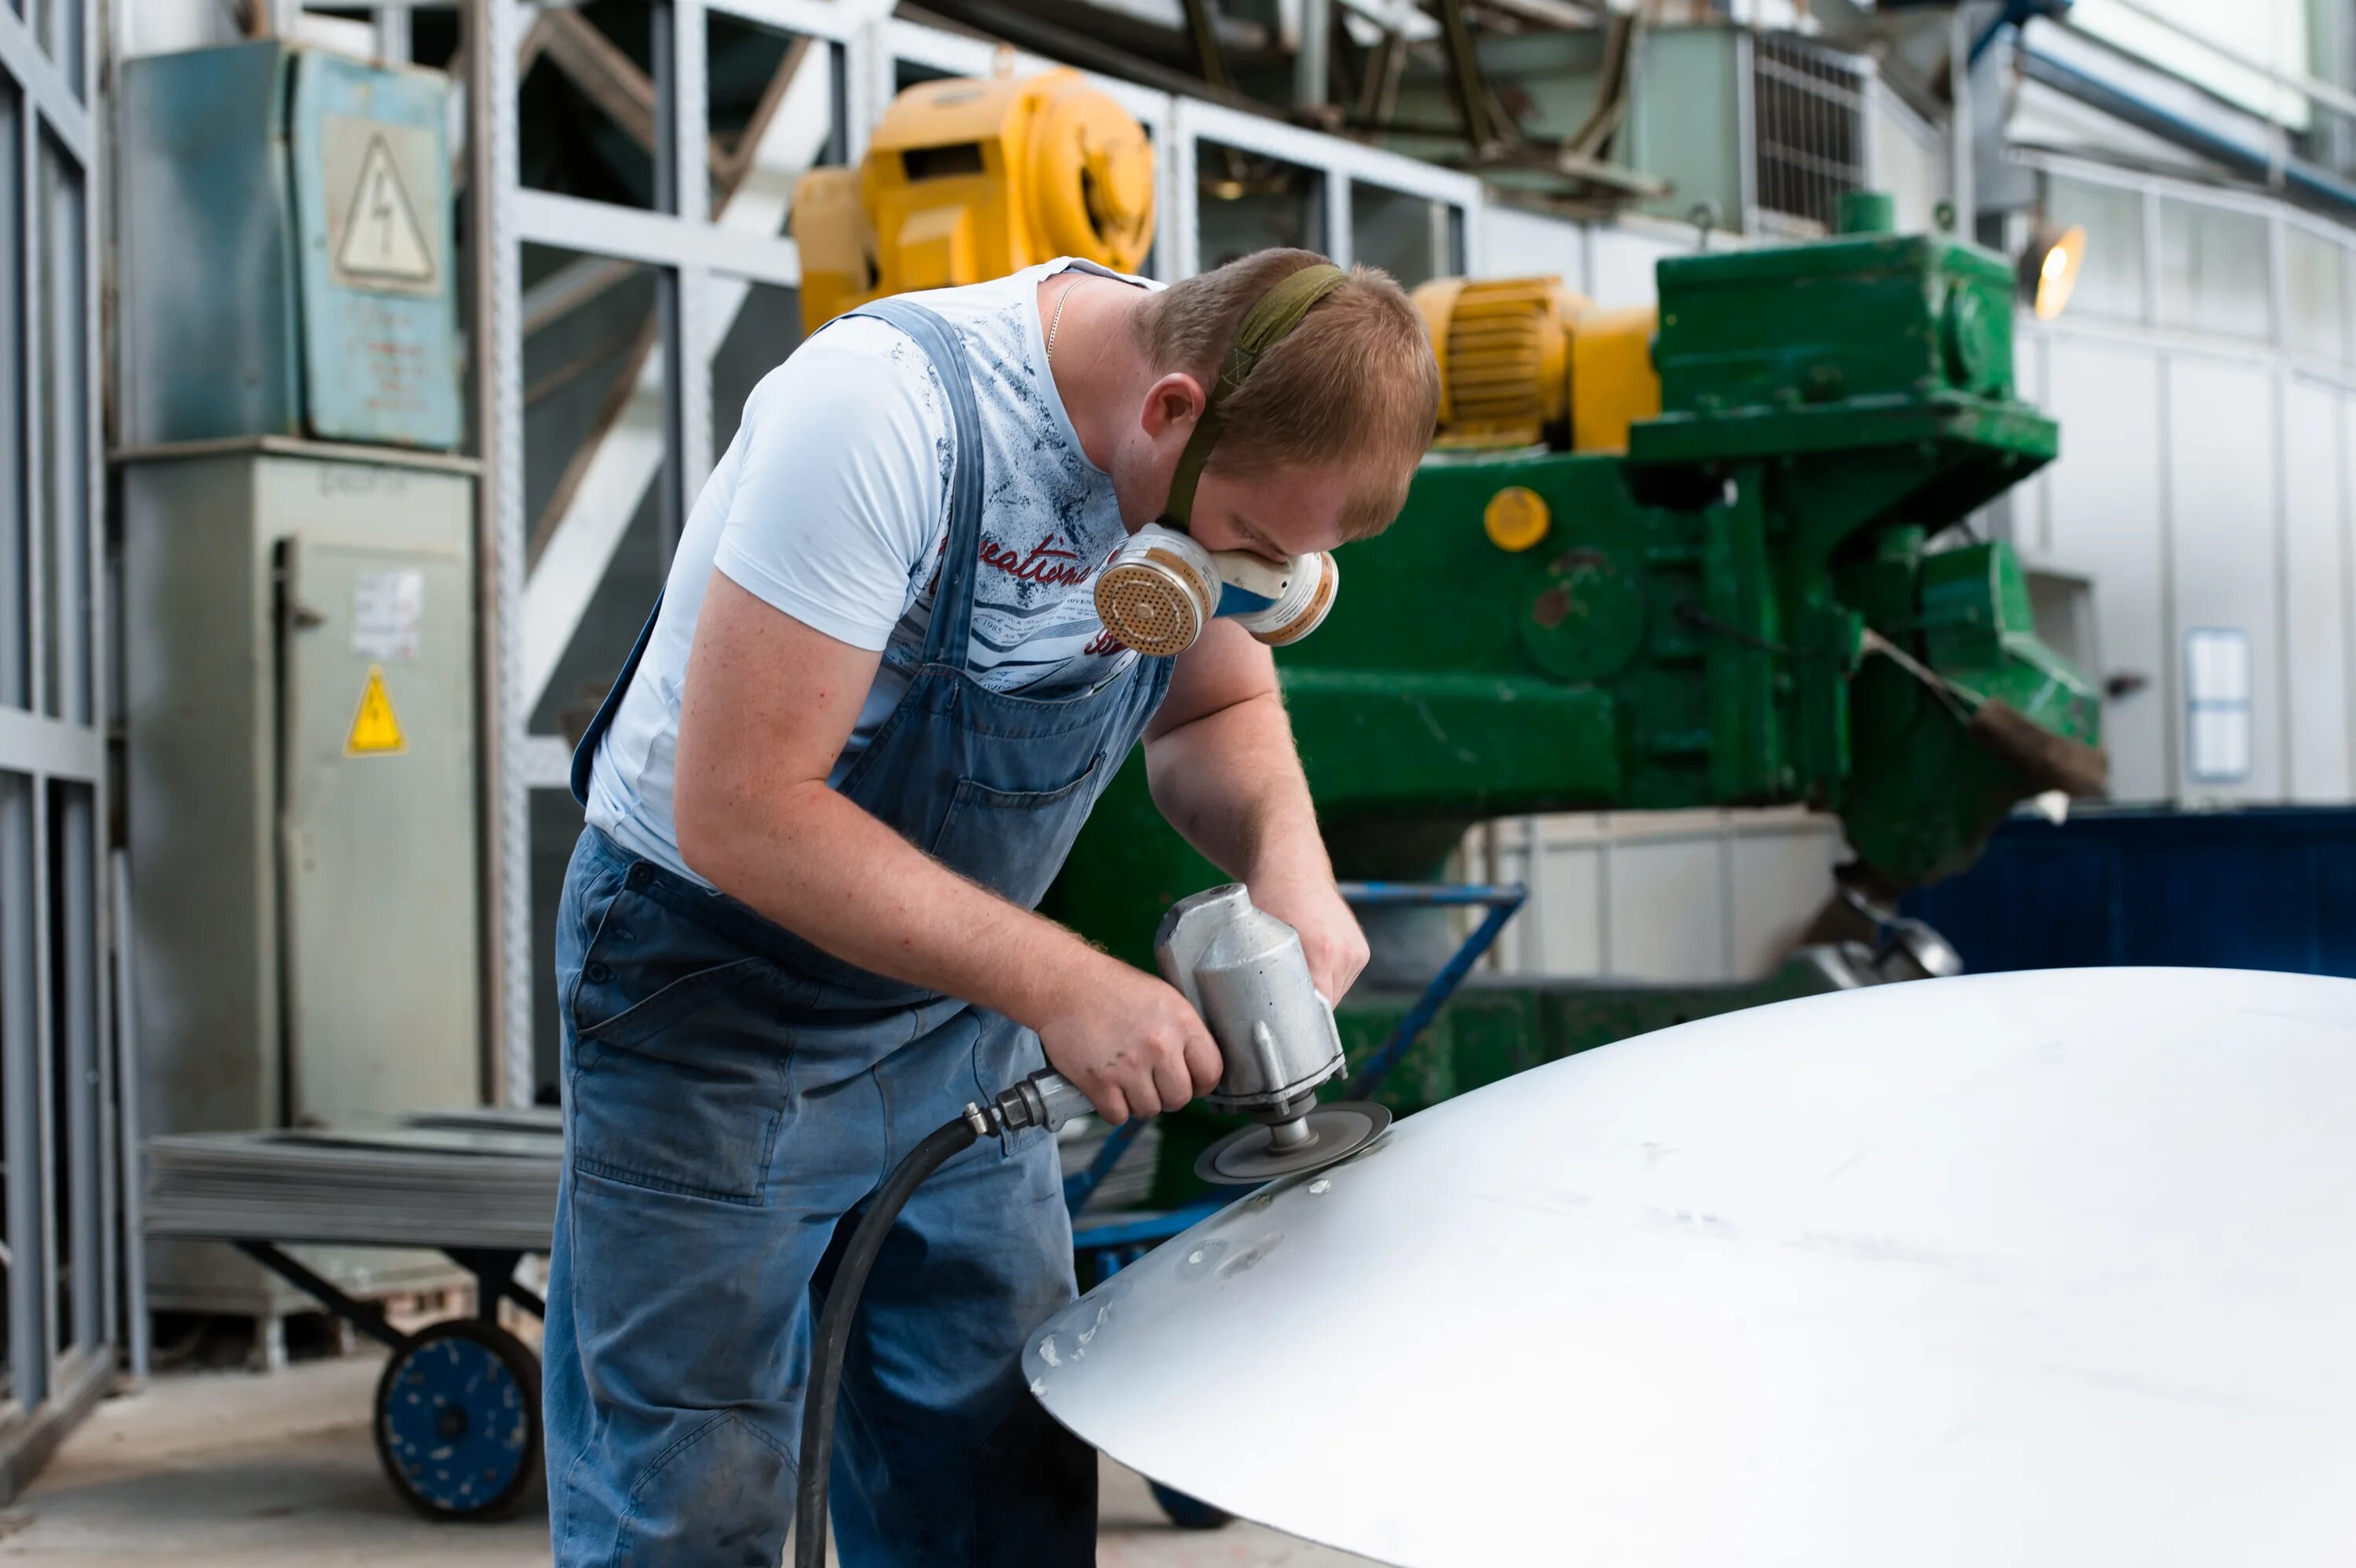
[678, 1058]
[1014, 841]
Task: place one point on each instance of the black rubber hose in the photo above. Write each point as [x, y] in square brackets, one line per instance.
[834, 1330]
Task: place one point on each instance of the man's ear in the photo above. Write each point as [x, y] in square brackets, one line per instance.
[1174, 402]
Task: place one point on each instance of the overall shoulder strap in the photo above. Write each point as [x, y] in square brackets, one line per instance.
[949, 638]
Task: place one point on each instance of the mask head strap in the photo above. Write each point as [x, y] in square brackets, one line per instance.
[1270, 321]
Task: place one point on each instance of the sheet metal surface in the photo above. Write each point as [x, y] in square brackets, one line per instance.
[2036, 1268]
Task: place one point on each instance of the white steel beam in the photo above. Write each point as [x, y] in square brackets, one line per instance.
[45, 86]
[837, 20]
[657, 238]
[1315, 150]
[689, 147]
[50, 748]
[494, 29]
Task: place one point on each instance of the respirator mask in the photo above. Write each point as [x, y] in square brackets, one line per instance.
[1161, 588]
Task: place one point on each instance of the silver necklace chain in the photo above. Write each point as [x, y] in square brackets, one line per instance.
[1056, 321]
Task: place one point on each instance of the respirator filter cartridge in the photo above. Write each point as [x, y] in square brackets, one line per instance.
[1163, 587]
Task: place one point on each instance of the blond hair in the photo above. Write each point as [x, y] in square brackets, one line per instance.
[1354, 384]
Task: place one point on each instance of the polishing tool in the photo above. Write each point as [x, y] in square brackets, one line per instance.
[1245, 972]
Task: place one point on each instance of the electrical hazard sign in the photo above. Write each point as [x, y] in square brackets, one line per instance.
[376, 174]
[376, 729]
[382, 237]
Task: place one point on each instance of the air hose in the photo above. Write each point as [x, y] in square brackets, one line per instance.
[1043, 1099]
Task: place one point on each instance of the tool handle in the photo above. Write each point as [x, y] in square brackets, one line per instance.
[1045, 1099]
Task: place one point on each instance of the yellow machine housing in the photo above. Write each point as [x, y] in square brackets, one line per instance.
[1525, 362]
[967, 180]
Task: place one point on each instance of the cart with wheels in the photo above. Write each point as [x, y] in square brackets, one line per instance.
[457, 1421]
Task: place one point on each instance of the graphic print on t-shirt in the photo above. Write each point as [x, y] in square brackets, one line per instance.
[1049, 525]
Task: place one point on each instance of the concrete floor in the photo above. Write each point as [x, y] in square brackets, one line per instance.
[228, 1468]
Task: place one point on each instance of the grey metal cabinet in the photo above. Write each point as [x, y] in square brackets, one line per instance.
[301, 796]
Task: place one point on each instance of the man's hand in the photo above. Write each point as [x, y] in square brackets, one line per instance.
[1330, 934]
[1130, 1041]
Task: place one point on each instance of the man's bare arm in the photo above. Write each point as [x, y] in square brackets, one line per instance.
[767, 706]
[1220, 759]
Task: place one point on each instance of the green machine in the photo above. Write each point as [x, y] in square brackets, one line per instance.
[1763, 598]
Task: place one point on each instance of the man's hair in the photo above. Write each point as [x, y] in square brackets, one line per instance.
[1355, 383]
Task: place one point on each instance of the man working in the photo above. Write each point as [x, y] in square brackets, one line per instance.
[869, 716]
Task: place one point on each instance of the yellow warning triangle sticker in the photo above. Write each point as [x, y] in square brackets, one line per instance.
[376, 731]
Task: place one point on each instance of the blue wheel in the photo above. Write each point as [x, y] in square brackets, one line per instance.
[458, 1419]
[1189, 1513]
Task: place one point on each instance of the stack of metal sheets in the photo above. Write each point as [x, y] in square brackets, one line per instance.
[451, 1182]
[435, 1179]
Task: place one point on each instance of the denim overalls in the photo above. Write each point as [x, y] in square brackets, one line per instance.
[731, 1094]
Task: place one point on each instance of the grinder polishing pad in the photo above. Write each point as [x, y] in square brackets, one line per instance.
[1250, 1156]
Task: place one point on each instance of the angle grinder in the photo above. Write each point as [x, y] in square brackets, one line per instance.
[1244, 971]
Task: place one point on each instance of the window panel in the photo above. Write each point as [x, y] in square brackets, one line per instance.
[2217, 700]
[2316, 301]
[1412, 238]
[1249, 201]
[2111, 280]
[2212, 270]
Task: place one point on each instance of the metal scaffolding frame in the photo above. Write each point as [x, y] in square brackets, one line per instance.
[707, 260]
[59, 1153]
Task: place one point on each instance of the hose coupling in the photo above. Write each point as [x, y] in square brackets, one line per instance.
[1045, 1099]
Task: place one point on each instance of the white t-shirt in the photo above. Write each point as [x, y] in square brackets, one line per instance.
[831, 504]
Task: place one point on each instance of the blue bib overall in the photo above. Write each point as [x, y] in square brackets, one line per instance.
[732, 1095]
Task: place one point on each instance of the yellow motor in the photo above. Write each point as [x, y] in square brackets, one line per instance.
[967, 180]
[1525, 362]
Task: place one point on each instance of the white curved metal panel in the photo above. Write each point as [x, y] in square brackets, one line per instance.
[2041, 1268]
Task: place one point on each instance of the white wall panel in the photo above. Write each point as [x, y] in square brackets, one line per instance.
[1520, 243]
[1910, 162]
[1620, 266]
[2103, 520]
[1779, 879]
[2222, 485]
[2027, 509]
[1668, 909]
[2315, 621]
[1681, 896]
[1564, 933]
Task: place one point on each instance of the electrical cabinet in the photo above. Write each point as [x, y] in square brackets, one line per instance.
[284, 249]
[300, 803]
